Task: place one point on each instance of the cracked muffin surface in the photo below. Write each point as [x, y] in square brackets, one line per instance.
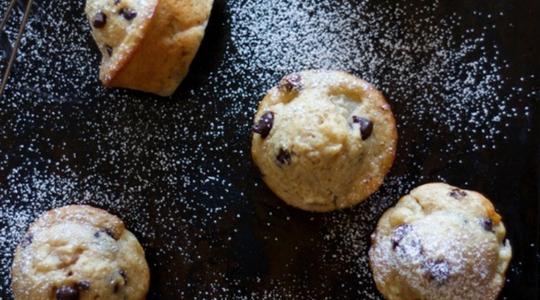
[79, 252]
[324, 140]
[440, 242]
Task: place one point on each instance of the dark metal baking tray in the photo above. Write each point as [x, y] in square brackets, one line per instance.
[178, 170]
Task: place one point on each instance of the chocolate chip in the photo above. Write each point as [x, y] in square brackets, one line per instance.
[407, 244]
[124, 275]
[366, 126]
[284, 157]
[27, 240]
[127, 13]
[107, 231]
[67, 293]
[116, 2]
[291, 82]
[438, 271]
[100, 20]
[265, 124]
[457, 193]
[118, 284]
[487, 224]
[70, 273]
[83, 285]
[399, 234]
[109, 50]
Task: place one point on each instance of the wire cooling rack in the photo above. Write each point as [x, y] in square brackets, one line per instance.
[8, 52]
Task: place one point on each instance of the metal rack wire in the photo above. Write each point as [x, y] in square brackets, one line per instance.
[20, 32]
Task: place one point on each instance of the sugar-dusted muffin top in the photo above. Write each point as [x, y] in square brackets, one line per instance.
[440, 242]
[79, 252]
[324, 140]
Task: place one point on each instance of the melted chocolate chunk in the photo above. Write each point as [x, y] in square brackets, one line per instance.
[109, 50]
[83, 285]
[437, 271]
[100, 20]
[27, 240]
[457, 193]
[399, 234]
[127, 13]
[487, 224]
[67, 293]
[284, 157]
[265, 124]
[291, 82]
[366, 127]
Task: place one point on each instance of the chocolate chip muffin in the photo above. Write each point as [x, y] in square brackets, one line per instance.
[324, 140]
[147, 45]
[79, 252]
[440, 242]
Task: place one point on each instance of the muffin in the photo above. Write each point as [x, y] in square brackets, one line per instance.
[440, 242]
[79, 252]
[324, 140]
[147, 45]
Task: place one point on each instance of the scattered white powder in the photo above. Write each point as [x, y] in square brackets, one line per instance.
[177, 170]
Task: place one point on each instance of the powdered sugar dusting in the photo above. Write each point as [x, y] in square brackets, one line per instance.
[177, 170]
[442, 254]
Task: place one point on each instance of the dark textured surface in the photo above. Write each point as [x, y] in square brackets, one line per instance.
[71, 134]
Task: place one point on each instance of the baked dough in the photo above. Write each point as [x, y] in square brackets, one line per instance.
[79, 252]
[147, 45]
[324, 140]
[440, 242]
